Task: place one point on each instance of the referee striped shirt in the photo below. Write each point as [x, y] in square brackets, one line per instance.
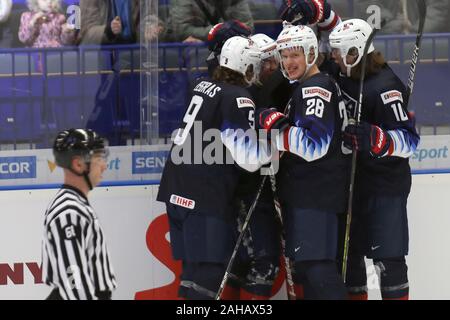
[74, 255]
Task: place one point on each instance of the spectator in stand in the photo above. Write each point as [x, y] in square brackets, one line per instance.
[110, 21]
[403, 17]
[193, 19]
[154, 28]
[45, 26]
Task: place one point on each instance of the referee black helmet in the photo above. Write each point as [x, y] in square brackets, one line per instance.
[76, 142]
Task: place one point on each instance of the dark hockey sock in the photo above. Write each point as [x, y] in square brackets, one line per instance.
[299, 282]
[356, 278]
[324, 279]
[393, 278]
[233, 286]
[185, 279]
[206, 281]
[302, 288]
[260, 278]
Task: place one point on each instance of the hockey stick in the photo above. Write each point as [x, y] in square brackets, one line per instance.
[410, 85]
[239, 240]
[354, 156]
[273, 184]
[287, 265]
[290, 282]
[415, 56]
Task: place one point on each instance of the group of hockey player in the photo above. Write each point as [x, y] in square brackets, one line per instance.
[302, 100]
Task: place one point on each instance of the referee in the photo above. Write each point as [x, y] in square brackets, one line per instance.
[74, 254]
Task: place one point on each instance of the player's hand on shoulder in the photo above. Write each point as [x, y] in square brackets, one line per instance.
[366, 137]
[271, 118]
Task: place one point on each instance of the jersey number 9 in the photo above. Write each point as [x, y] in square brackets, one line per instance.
[189, 118]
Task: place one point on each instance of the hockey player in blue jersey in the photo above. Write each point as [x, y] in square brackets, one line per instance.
[312, 181]
[385, 138]
[200, 194]
[257, 266]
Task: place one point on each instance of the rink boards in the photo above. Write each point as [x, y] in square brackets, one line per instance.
[136, 228]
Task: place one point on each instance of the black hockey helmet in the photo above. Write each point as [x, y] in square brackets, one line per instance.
[76, 142]
[223, 31]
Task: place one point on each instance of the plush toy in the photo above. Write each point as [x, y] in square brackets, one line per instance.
[44, 26]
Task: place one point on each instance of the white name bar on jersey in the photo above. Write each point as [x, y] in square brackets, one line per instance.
[309, 92]
[390, 96]
[244, 102]
[182, 202]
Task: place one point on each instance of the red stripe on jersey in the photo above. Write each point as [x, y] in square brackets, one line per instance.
[286, 138]
[391, 147]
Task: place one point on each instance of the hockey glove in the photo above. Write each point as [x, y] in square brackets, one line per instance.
[367, 137]
[223, 31]
[305, 12]
[269, 119]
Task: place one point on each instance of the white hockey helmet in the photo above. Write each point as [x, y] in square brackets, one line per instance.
[296, 37]
[238, 53]
[351, 34]
[266, 44]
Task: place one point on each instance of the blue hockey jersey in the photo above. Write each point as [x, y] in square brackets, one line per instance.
[207, 178]
[314, 171]
[383, 105]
